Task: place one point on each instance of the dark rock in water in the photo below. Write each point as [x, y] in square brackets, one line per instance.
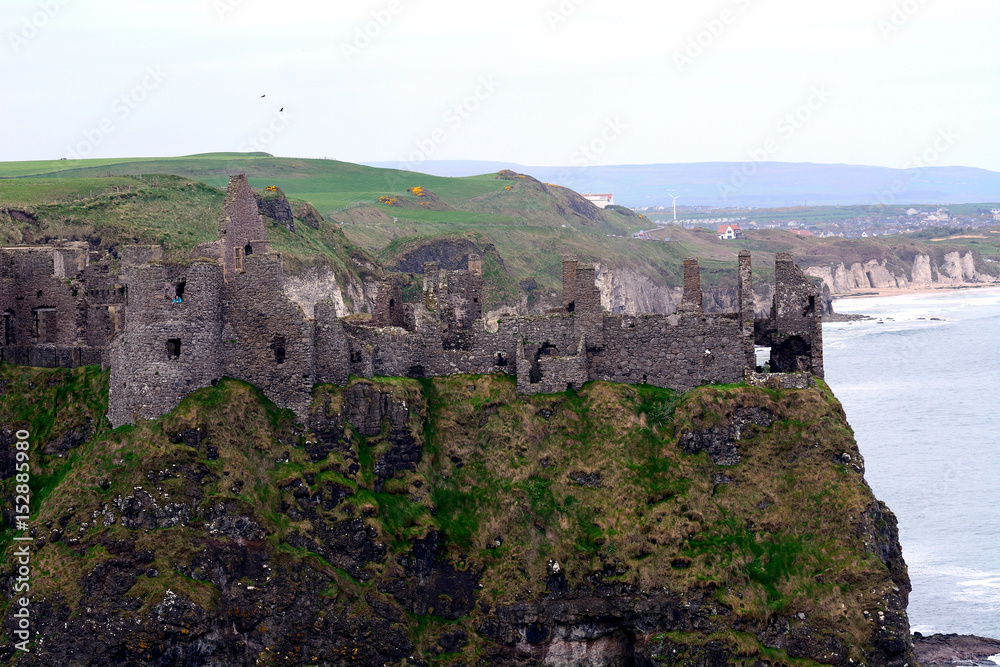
[950, 650]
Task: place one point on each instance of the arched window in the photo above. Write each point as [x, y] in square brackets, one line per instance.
[248, 249]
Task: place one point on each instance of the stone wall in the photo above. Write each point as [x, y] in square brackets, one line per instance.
[240, 225]
[167, 349]
[794, 332]
[678, 351]
[57, 309]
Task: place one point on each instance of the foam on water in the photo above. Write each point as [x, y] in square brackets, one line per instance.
[922, 396]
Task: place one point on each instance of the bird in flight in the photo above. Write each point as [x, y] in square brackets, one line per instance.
[281, 109]
[264, 95]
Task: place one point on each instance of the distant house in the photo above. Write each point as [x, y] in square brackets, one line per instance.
[913, 211]
[996, 214]
[800, 232]
[729, 232]
[601, 201]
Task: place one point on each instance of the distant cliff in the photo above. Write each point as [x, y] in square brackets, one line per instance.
[950, 269]
[453, 522]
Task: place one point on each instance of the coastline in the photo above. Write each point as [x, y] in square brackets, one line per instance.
[903, 291]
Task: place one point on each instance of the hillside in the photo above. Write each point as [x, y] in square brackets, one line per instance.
[770, 183]
[348, 218]
[452, 522]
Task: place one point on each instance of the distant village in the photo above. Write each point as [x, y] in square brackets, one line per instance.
[821, 222]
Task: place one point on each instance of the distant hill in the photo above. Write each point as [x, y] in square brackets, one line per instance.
[770, 184]
[348, 219]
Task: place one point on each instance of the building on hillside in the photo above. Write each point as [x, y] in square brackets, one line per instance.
[996, 214]
[601, 201]
[729, 232]
[800, 232]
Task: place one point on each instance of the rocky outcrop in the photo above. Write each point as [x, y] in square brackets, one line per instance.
[958, 268]
[453, 522]
[954, 650]
[955, 269]
[274, 205]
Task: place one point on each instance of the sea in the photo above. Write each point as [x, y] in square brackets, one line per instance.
[920, 383]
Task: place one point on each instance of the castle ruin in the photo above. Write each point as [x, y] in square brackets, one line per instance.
[166, 329]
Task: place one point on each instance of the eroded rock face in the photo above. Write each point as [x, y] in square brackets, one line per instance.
[314, 285]
[333, 571]
[720, 442]
[955, 269]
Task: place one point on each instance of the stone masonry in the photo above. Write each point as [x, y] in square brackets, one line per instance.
[166, 329]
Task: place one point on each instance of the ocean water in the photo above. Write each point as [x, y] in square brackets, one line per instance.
[923, 397]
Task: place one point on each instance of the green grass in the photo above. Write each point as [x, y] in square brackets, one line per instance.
[495, 465]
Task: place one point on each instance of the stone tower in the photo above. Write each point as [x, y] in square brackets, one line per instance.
[241, 228]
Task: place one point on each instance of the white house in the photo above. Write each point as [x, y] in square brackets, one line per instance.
[729, 232]
[601, 201]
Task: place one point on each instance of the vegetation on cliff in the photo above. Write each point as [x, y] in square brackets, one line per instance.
[451, 521]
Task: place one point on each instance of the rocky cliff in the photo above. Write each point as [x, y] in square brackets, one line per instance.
[953, 269]
[453, 522]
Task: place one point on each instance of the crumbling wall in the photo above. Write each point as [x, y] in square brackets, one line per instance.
[167, 349]
[388, 309]
[331, 357]
[266, 339]
[46, 307]
[240, 225]
[794, 332]
[678, 351]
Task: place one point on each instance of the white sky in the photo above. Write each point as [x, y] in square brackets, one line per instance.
[558, 85]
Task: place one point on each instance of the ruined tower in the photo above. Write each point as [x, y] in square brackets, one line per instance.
[241, 228]
[691, 300]
[745, 307]
[795, 329]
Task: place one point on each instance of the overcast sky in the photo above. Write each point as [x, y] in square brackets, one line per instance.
[534, 82]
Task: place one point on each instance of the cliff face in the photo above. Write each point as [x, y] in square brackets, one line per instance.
[453, 522]
[953, 269]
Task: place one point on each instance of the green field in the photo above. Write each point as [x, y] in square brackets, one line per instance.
[176, 202]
